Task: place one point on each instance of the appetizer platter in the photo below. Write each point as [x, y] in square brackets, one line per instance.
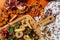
[25, 19]
[25, 28]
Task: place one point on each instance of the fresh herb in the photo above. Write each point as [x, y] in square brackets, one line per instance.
[10, 38]
[11, 29]
[28, 31]
[17, 25]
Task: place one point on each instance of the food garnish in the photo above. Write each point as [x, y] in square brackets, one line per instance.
[11, 29]
[16, 25]
[10, 38]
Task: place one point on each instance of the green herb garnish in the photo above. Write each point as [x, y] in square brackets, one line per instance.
[10, 38]
[28, 31]
[11, 29]
[16, 25]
